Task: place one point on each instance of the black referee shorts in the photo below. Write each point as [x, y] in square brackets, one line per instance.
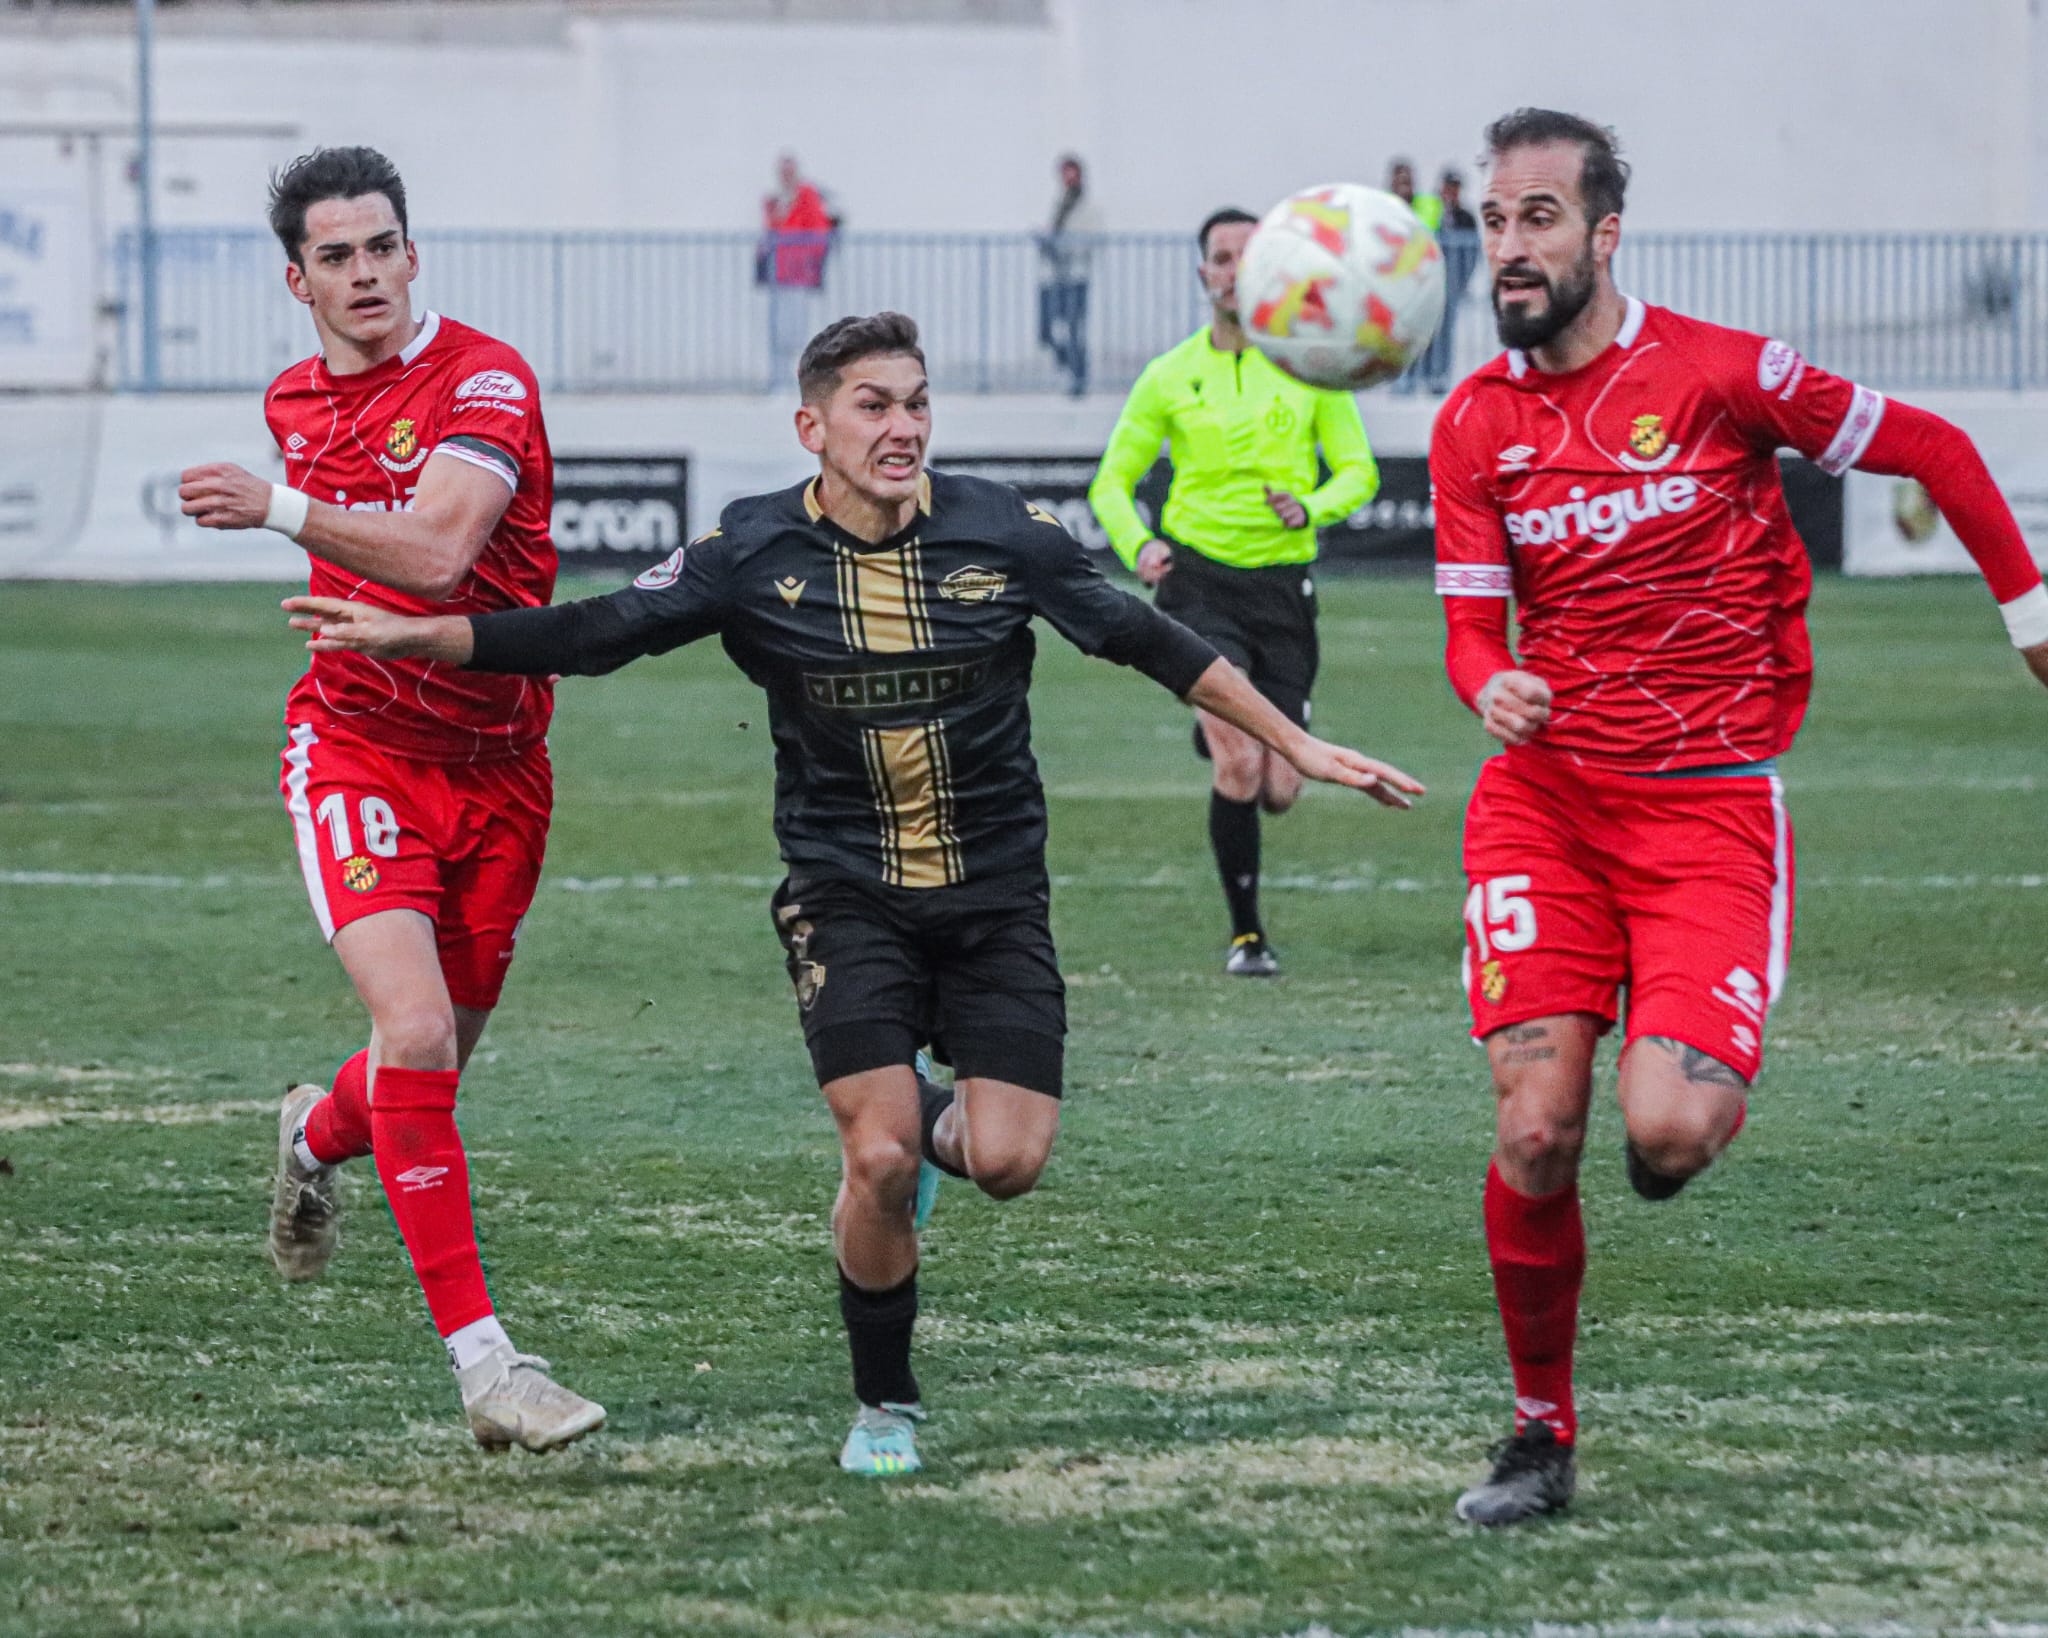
[1263, 621]
[969, 970]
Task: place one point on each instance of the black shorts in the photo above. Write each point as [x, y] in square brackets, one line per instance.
[969, 970]
[1263, 621]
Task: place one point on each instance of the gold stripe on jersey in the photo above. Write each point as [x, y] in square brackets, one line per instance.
[882, 607]
[912, 779]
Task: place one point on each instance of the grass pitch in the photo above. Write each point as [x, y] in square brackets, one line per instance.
[1222, 1374]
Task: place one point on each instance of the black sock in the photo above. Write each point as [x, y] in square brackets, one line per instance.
[1649, 1183]
[878, 1325]
[1234, 835]
[933, 1100]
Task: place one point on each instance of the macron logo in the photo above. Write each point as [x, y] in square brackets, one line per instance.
[416, 1178]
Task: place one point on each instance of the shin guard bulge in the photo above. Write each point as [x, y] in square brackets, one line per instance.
[1537, 1245]
[426, 1178]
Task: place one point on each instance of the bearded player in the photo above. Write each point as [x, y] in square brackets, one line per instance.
[1614, 474]
[420, 481]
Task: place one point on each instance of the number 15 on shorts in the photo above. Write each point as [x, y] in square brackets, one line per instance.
[1500, 915]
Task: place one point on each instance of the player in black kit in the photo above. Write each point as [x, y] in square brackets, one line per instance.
[886, 611]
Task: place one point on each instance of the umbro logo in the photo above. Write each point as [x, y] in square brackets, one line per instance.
[791, 588]
[416, 1178]
[1516, 455]
[296, 441]
[1744, 991]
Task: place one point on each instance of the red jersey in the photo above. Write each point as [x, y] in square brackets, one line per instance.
[360, 441]
[1633, 511]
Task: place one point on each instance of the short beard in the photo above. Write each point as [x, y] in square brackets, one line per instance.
[1522, 329]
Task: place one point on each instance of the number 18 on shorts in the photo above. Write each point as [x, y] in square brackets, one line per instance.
[461, 843]
[1588, 890]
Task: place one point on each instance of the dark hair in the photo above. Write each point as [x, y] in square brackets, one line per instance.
[1220, 218]
[1603, 173]
[328, 173]
[847, 341]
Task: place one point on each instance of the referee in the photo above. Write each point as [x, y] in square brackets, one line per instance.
[1237, 535]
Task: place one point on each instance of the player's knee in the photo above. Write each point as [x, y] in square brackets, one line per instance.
[1007, 1172]
[417, 1037]
[1278, 796]
[1541, 1141]
[882, 1166]
[1679, 1140]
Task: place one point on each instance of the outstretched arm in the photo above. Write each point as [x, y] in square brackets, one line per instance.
[1224, 691]
[1912, 443]
[674, 603]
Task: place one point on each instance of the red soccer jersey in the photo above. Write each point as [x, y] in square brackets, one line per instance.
[1633, 511]
[360, 441]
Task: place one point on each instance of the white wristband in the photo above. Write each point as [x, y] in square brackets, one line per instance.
[2026, 618]
[288, 509]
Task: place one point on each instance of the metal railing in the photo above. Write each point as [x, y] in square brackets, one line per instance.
[684, 312]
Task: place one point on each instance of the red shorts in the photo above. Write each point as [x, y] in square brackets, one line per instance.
[1583, 882]
[460, 842]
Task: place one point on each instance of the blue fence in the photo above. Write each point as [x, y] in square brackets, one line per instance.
[683, 312]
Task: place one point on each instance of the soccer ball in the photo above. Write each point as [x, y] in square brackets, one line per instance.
[1341, 286]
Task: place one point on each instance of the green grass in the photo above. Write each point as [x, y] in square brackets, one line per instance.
[1222, 1374]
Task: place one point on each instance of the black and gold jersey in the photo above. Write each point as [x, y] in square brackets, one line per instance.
[896, 671]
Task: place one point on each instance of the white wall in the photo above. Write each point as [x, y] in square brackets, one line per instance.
[1749, 113]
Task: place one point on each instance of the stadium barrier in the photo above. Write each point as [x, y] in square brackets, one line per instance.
[683, 312]
[88, 482]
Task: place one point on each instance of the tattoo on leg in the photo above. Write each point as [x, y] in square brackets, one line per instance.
[1696, 1066]
[1521, 1039]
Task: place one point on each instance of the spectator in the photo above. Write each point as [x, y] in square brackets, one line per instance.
[1429, 210]
[1401, 184]
[1068, 247]
[796, 233]
[1459, 235]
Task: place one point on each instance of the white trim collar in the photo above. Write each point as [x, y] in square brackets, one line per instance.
[429, 328]
[1631, 323]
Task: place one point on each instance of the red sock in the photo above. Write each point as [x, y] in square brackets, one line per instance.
[338, 1126]
[426, 1179]
[1538, 1248]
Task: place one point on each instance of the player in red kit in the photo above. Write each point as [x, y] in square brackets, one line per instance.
[1614, 473]
[419, 481]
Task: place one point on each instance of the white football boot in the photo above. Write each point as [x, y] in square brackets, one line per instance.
[305, 1204]
[511, 1400]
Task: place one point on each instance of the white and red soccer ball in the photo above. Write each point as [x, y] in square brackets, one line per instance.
[1341, 286]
